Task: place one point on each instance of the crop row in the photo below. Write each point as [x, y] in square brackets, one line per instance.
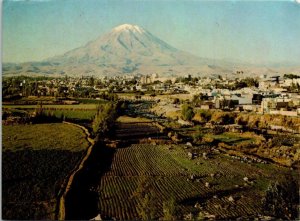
[117, 198]
[169, 172]
[143, 159]
[135, 129]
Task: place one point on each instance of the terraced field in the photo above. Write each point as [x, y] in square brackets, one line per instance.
[214, 184]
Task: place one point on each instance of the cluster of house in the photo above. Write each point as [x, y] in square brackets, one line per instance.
[269, 96]
[254, 100]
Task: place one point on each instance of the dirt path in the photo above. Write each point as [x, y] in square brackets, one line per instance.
[61, 213]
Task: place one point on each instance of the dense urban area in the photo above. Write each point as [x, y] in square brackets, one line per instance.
[150, 147]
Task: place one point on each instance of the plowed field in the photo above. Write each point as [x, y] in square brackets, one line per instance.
[216, 184]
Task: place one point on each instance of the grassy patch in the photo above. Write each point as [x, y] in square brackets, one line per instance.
[54, 106]
[43, 136]
[73, 114]
[262, 184]
[231, 138]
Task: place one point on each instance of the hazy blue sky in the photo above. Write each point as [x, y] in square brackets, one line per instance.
[253, 31]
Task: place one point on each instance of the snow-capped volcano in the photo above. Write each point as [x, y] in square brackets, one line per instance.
[131, 49]
[128, 27]
[128, 48]
[125, 49]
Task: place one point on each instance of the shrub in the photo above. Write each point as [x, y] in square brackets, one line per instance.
[42, 116]
[197, 137]
[223, 118]
[208, 140]
[187, 112]
[202, 116]
[147, 208]
[147, 199]
[282, 198]
[176, 101]
[169, 210]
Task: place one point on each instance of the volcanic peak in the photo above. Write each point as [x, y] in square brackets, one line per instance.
[129, 27]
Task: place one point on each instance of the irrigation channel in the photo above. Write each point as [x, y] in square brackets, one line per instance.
[81, 201]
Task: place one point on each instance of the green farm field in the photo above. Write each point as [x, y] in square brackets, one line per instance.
[73, 114]
[36, 159]
[69, 112]
[43, 136]
[90, 106]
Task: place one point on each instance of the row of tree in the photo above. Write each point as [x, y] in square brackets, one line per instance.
[105, 117]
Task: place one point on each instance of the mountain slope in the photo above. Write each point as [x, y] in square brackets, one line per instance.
[132, 49]
[129, 47]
